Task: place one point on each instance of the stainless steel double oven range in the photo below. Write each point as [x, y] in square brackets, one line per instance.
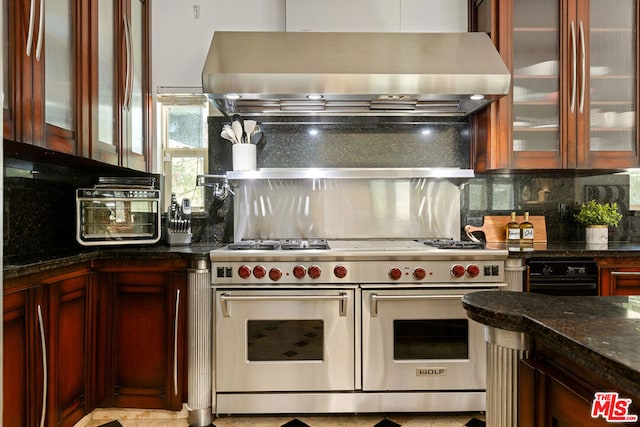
[309, 326]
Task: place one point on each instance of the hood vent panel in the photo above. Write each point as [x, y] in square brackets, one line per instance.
[262, 73]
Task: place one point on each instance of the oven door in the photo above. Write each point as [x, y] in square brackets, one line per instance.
[420, 340]
[285, 340]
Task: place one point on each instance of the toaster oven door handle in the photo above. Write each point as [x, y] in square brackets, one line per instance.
[225, 298]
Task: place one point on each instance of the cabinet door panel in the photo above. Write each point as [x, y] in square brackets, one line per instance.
[14, 365]
[144, 359]
[537, 82]
[608, 90]
[68, 308]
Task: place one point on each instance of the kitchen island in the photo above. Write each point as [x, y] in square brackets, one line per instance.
[567, 349]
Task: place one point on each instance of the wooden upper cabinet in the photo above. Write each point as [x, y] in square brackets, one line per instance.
[120, 88]
[573, 102]
[77, 78]
[43, 98]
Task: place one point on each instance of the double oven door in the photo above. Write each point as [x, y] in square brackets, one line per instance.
[369, 338]
[270, 339]
[420, 339]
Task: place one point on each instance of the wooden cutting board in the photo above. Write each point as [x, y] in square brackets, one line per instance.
[494, 228]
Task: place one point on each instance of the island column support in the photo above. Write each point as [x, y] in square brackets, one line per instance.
[505, 349]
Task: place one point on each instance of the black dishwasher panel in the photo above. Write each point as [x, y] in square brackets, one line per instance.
[563, 276]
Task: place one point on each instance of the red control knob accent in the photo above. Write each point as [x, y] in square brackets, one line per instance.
[275, 274]
[340, 271]
[259, 271]
[314, 271]
[457, 270]
[299, 271]
[473, 270]
[395, 273]
[419, 273]
[244, 271]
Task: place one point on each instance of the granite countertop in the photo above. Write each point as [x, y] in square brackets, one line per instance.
[599, 333]
[19, 266]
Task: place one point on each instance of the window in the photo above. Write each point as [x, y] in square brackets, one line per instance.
[183, 134]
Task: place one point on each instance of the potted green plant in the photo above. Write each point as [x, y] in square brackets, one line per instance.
[598, 217]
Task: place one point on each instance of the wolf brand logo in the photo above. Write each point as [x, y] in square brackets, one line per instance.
[612, 408]
[431, 372]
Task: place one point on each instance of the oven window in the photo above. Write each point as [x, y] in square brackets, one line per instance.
[285, 340]
[430, 339]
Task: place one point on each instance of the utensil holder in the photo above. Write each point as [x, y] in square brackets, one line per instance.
[244, 157]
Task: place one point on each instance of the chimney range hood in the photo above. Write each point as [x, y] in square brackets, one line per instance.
[313, 73]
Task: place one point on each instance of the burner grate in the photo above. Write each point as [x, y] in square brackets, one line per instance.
[254, 244]
[453, 244]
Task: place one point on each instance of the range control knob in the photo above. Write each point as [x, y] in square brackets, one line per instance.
[419, 273]
[473, 270]
[340, 271]
[259, 271]
[457, 270]
[395, 273]
[314, 271]
[244, 271]
[299, 271]
[275, 274]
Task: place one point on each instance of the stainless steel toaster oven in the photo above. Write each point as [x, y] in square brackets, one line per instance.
[117, 215]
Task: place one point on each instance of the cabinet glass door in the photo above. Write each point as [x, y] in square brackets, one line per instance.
[106, 74]
[59, 61]
[536, 76]
[611, 87]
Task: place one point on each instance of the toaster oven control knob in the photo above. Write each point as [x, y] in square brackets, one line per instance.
[259, 271]
[275, 274]
[244, 271]
[419, 273]
[395, 273]
[314, 271]
[457, 270]
[340, 271]
[299, 271]
[473, 270]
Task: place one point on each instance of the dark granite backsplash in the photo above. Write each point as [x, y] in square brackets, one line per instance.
[39, 196]
[425, 142]
[39, 201]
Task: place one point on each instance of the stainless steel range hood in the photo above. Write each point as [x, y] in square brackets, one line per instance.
[305, 73]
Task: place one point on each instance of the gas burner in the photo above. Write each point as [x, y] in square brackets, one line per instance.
[294, 244]
[268, 245]
[453, 244]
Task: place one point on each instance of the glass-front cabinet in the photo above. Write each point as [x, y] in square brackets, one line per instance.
[574, 93]
[42, 92]
[76, 77]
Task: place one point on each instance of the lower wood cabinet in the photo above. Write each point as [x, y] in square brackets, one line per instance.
[46, 348]
[554, 391]
[142, 330]
[111, 334]
[619, 276]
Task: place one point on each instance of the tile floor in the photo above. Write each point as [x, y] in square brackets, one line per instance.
[145, 418]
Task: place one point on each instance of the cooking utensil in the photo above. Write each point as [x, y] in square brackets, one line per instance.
[238, 124]
[258, 139]
[238, 132]
[249, 128]
[493, 228]
[228, 134]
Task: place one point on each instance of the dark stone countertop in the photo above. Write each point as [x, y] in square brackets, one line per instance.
[20, 266]
[601, 334]
[572, 250]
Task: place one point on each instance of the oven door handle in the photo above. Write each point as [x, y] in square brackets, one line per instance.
[343, 298]
[375, 298]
